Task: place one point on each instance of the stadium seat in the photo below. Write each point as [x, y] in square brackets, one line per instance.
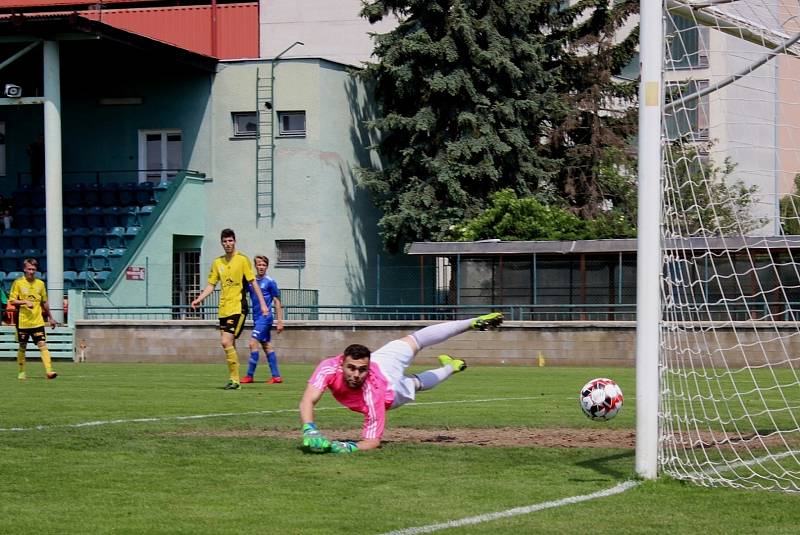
[129, 217]
[145, 193]
[115, 237]
[78, 238]
[100, 276]
[94, 217]
[114, 255]
[131, 232]
[31, 253]
[69, 279]
[145, 211]
[79, 259]
[27, 238]
[11, 260]
[91, 194]
[108, 193]
[9, 239]
[11, 276]
[23, 217]
[73, 194]
[74, 217]
[126, 196]
[39, 217]
[97, 237]
[98, 261]
[112, 216]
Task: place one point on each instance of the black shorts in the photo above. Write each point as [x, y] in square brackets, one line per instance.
[232, 324]
[37, 334]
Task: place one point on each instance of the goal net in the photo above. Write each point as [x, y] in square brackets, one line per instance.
[729, 406]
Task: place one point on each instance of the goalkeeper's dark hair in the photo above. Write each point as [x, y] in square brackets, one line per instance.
[356, 352]
[227, 233]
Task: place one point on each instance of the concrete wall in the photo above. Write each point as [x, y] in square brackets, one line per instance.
[517, 343]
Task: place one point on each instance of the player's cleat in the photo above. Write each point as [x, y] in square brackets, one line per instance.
[275, 380]
[232, 386]
[52, 375]
[458, 365]
[487, 321]
[21, 376]
[247, 379]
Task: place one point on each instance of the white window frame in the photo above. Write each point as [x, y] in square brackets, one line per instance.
[165, 173]
[235, 124]
[291, 133]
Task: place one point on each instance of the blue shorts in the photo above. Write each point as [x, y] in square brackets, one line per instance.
[261, 330]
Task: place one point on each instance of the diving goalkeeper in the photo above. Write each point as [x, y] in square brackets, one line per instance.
[372, 383]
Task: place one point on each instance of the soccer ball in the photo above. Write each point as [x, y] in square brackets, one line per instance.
[601, 399]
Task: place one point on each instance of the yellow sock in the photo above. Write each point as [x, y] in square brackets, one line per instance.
[45, 353]
[233, 363]
[21, 359]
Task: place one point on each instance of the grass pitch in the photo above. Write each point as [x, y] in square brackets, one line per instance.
[118, 448]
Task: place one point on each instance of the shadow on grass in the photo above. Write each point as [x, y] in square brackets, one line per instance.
[607, 465]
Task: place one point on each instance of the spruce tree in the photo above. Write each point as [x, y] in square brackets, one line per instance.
[466, 92]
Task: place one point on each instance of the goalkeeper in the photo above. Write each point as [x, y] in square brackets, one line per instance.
[374, 383]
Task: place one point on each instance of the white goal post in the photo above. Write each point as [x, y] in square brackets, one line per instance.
[718, 305]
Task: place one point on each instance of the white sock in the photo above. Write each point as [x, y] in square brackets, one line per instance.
[432, 335]
[430, 378]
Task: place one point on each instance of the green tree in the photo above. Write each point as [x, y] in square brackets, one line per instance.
[790, 210]
[703, 199]
[466, 98]
[477, 96]
[593, 138]
[509, 217]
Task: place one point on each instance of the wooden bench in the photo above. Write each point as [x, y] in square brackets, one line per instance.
[60, 342]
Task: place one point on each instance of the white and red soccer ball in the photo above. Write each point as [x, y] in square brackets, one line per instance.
[601, 399]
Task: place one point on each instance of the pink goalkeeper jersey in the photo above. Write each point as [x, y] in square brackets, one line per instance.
[372, 400]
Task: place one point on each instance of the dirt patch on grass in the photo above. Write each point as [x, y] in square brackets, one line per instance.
[497, 437]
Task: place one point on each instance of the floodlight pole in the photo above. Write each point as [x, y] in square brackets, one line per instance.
[648, 256]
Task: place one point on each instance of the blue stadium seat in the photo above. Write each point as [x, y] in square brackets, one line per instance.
[73, 194]
[11, 260]
[78, 238]
[23, 217]
[74, 217]
[108, 193]
[9, 239]
[112, 216]
[98, 261]
[79, 259]
[31, 253]
[126, 195]
[27, 238]
[145, 193]
[115, 237]
[101, 276]
[94, 217]
[69, 279]
[11, 276]
[130, 217]
[97, 237]
[132, 231]
[145, 211]
[91, 194]
[39, 217]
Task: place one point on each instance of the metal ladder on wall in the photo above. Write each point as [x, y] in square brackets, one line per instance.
[265, 192]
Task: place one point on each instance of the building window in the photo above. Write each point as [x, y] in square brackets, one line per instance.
[244, 124]
[292, 123]
[688, 121]
[686, 43]
[291, 253]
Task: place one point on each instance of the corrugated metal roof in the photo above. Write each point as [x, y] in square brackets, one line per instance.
[499, 247]
[189, 27]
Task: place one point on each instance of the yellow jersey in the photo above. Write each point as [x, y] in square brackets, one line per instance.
[36, 292]
[233, 276]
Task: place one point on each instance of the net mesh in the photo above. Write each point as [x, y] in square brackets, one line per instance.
[730, 343]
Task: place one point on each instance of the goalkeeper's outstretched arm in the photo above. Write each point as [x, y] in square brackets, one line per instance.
[311, 396]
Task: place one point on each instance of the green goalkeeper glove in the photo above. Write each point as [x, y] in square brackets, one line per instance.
[313, 439]
[338, 446]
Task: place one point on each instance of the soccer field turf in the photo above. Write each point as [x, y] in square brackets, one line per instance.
[144, 448]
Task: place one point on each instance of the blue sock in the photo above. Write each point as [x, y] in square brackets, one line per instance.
[272, 359]
[251, 366]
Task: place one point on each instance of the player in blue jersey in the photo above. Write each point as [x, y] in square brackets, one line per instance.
[263, 324]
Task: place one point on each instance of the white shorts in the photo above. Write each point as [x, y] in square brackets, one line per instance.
[393, 359]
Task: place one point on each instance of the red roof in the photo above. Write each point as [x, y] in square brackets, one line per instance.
[188, 27]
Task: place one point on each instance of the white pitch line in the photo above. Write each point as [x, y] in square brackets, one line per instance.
[97, 423]
[488, 517]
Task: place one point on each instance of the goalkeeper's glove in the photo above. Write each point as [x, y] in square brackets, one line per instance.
[338, 446]
[314, 440]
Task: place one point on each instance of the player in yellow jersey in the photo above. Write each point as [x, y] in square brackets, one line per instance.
[29, 295]
[233, 271]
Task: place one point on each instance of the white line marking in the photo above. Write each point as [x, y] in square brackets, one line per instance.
[97, 423]
[622, 487]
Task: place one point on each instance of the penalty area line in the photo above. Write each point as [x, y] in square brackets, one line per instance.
[488, 517]
[97, 423]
